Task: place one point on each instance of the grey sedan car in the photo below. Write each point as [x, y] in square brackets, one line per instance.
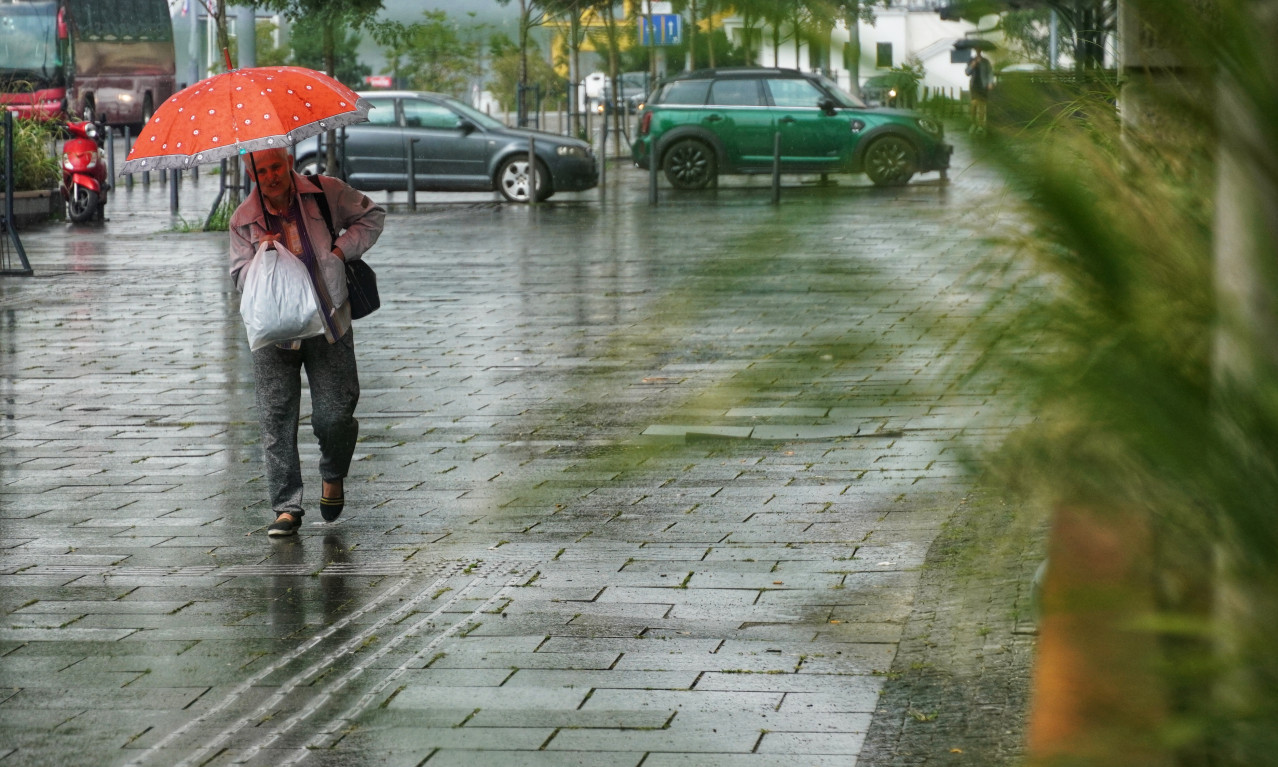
[456, 148]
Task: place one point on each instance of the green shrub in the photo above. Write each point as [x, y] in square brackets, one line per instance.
[34, 163]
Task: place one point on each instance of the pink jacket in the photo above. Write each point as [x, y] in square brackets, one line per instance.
[357, 219]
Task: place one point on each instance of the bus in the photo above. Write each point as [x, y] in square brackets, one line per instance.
[109, 60]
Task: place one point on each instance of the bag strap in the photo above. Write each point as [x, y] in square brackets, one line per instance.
[322, 201]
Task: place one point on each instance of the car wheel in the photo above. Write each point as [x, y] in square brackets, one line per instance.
[889, 161]
[82, 205]
[689, 164]
[514, 182]
[311, 164]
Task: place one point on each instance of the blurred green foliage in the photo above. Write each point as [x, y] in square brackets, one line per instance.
[1152, 390]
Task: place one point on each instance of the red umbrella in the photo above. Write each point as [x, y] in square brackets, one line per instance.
[244, 110]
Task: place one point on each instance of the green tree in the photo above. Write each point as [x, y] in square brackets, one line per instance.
[429, 55]
[308, 37]
[268, 53]
[572, 13]
[513, 66]
[1027, 35]
[1090, 24]
[532, 14]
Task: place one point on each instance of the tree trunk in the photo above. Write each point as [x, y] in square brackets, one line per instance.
[710, 32]
[574, 68]
[521, 90]
[692, 35]
[234, 169]
[852, 51]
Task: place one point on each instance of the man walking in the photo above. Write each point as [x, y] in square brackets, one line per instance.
[287, 210]
[980, 80]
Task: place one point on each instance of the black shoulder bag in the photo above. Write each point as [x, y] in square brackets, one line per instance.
[361, 281]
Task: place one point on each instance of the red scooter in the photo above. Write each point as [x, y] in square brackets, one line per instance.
[84, 172]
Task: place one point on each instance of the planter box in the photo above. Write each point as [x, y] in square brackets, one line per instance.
[33, 207]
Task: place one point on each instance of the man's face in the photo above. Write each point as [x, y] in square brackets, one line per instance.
[273, 173]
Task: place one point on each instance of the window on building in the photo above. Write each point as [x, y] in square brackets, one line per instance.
[884, 60]
[818, 55]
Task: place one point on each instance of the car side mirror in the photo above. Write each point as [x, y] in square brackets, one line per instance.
[466, 126]
[827, 105]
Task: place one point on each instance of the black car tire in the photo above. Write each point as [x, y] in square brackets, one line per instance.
[890, 161]
[513, 182]
[148, 111]
[689, 164]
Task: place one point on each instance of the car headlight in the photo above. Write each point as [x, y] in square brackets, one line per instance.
[570, 151]
[930, 126]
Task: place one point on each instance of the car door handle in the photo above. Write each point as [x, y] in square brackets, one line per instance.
[786, 121]
[714, 118]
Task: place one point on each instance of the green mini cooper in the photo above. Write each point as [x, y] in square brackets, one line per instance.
[727, 120]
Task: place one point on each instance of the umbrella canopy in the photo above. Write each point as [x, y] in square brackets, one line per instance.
[244, 110]
[974, 43]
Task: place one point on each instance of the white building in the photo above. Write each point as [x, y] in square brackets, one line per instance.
[909, 28]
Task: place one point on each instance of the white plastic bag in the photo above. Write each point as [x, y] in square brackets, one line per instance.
[279, 301]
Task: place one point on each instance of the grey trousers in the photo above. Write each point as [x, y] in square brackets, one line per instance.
[334, 384]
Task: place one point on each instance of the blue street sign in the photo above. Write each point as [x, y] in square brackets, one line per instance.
[659, 29]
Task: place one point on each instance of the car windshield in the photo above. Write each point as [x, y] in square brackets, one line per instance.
[841, 97]
[474, 115]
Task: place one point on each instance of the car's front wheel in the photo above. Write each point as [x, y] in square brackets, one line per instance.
[889, 161]
[689, 164]
[514, 179]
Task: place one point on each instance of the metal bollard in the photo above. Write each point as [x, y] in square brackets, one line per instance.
[532, 171]
[110, 151]
[128, 146]
[603, 160]
[776, 168]
[412, 174]
[652, 172]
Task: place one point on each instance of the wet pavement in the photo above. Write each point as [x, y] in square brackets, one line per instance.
[635, 485]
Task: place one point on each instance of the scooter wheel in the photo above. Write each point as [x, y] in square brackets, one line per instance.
[82, 205]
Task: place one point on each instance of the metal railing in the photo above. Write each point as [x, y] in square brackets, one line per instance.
[8, 231]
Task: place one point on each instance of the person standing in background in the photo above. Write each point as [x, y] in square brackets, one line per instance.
[980, 75]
